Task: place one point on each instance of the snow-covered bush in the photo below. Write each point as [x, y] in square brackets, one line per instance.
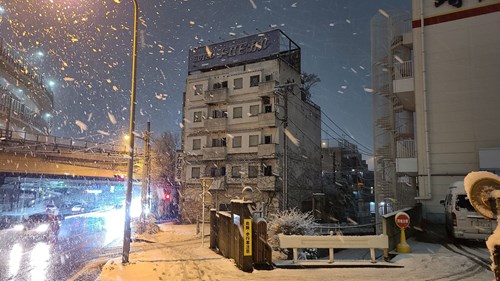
[289, 222]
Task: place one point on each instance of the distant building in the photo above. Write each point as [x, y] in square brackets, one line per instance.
[26, 103]
[247, 122]
[347, 183]
[435, 77]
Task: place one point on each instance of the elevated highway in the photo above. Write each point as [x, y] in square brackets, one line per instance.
[27, 153]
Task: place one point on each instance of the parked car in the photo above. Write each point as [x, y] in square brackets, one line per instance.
[77, 209]
[39, 226]
[462, 220]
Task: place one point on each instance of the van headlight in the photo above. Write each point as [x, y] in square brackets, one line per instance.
[42, 228]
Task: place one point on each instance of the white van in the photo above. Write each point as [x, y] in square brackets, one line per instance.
[462, 220]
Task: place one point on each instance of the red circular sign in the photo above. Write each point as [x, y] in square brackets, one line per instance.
[402, 220]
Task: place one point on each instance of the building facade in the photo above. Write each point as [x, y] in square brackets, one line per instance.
[26, 103]
[248, 123]
[347, 183]
[435, 100]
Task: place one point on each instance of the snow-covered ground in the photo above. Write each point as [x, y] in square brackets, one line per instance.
[177, 254]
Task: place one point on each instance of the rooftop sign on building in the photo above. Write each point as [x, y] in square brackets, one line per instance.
[235, 51]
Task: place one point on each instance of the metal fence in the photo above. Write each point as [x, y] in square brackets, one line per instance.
[227, 237]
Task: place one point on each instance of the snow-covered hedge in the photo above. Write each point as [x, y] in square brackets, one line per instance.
[289, 222]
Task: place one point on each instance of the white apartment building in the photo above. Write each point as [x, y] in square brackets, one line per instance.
[247, 123]
[436, 100]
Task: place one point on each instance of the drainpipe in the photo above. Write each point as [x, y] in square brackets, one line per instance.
[427, 194]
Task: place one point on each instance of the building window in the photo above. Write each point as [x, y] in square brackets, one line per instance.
[268, 139]
[237, 142]
[254, 81]
[254, 110]
[196, 144]
[197, 116]
[220, 85]
[269, 77]
[253, 171]
[238, 112]
[268, 170]
[217, 172]
[198, 89]
[219, 114]
[236, 172]
[253, 140]
[195, 172]
[238, 83]
[266, 102]
[219, 142]
[213, 172]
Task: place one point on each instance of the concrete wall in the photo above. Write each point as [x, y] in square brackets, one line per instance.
[462, 73]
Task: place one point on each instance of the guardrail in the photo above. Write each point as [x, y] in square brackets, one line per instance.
[61, 142]
[332, 242]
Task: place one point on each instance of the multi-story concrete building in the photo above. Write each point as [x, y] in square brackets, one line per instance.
[436, 100]
[347, 183]
[26, 103]
[248, 122]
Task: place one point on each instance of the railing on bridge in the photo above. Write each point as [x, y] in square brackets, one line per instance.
[60, 142]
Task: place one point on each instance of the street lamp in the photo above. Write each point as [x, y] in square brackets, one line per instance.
[130, 171]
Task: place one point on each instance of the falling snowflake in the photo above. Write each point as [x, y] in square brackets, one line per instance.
[112, 118]
[83, 126]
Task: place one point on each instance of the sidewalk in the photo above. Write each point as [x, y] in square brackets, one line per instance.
[176, 253]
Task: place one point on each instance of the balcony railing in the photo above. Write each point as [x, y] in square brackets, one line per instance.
[16, 67]
[267, 119]
[267, 86]
[403, 70]
[406, 149]
[217, 124]
[20, 114]
[214, 153]
[216, 95]
[266, 183]
[267, 150]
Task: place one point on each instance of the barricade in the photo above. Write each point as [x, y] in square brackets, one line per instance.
[332, 242]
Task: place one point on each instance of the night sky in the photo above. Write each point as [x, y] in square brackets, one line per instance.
[87, 47]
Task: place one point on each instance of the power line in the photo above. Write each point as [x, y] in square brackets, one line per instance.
[347, 134]
[368, 151]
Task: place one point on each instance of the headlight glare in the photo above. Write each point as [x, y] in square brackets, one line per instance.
[18, 227]
[42, 228]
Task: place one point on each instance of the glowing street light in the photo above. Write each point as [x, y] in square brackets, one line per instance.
[130, 170]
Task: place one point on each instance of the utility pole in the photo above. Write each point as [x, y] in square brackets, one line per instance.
[285, 90]
[127, 232]
[145, 176]
[285, 151]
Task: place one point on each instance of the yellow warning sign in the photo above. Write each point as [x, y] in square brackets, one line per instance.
[247, 237]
